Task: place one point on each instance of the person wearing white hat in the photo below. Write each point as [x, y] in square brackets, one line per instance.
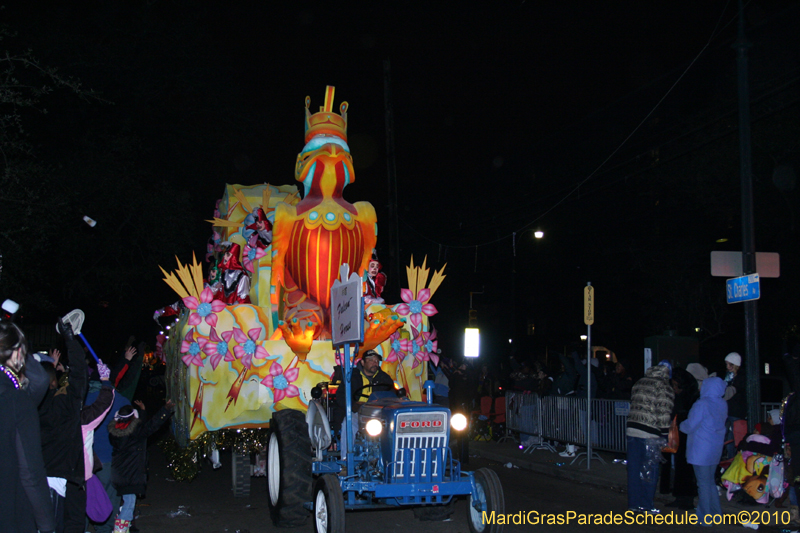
[736, 396]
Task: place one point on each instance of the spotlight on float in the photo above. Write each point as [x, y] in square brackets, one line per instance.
[472, 342]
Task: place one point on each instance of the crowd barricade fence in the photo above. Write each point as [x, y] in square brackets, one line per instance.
[563, 419]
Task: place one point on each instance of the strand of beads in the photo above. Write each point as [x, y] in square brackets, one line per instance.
[10, 373]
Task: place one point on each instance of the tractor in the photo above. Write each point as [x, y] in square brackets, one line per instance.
[400, 457]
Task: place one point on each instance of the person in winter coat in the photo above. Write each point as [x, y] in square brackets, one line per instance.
[128, 435]
[103, 450]
[25, 503]
[92, 415]
[564, 383]
[685, 487]
[736, 396]
[791, 410]
[705, 428]
[649, 419]
[62, 440]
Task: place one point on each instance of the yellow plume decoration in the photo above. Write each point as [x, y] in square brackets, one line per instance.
[187, 280]
[437, 280]
[265, 195]
[241, 197]
[418, 277]
[222, 223]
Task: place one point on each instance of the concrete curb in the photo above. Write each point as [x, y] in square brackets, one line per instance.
[599, 478]
[580, 476]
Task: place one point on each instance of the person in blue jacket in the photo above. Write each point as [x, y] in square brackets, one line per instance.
[705, 427]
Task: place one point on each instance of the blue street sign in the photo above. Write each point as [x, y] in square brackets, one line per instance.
[743, 289]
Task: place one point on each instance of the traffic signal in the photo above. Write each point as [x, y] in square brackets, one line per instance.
[473, 318]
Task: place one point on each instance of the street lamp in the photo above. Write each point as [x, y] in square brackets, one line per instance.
[472, 342]
[538, 234]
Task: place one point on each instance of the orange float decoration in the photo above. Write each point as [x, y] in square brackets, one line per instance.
[230, 366]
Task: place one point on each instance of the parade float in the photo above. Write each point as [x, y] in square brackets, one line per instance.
[250, 336]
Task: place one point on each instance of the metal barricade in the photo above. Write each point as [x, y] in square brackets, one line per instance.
[560, 418]
[610, 417]
[563, 419]
[522, 412]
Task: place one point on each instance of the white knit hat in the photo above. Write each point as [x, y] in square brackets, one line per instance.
[699, 372]
[734, 359]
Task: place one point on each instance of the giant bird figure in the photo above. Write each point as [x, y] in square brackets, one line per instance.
[313, 238]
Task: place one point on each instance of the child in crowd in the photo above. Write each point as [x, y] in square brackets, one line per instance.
[128, 436]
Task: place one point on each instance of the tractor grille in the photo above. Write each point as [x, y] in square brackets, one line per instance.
[420, 447]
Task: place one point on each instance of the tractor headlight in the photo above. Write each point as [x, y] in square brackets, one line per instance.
[374, 427]
[458, 422]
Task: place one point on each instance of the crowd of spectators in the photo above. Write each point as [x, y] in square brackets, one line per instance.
[561, 375]
[60, 468]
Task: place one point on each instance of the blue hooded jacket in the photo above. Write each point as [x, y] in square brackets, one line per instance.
[705, 424]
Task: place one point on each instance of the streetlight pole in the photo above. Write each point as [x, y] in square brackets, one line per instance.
[539, 234]
[748, 233]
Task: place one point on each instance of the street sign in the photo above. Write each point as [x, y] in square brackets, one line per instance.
[743, 289]
[347, 318]
[588, 305]
[729, 264]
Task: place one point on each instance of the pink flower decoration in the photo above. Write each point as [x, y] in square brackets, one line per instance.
[193, 349]
[281, 382]
[399, 348]
[217, 347]
[251, 255]
[207, 308]
[247, 348]
[427, 348]
[416, 307]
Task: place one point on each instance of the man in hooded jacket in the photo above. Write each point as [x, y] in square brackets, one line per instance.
[649, 418]
[705, 427]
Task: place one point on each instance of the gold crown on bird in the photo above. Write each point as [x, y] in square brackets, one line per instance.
[326, 121]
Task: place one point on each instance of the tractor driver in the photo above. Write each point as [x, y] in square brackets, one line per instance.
[367, 377]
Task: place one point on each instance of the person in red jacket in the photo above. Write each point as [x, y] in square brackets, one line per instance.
[375, 282]
[235, 280]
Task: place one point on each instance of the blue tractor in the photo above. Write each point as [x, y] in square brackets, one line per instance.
[400, 457]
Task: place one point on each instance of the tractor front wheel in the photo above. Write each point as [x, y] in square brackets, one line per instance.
[328, 505]
[488, 498]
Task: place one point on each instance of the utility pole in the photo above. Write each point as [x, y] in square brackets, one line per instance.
[391, 168]
[752, 365]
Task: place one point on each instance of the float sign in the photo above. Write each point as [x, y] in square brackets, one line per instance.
[347, 310]
[743, 288]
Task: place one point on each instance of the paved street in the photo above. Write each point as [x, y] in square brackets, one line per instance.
[207, 505]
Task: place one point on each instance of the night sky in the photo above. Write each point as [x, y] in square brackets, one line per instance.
[583, 119]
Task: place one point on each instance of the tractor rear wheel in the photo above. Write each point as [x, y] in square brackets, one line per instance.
[289, 468]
